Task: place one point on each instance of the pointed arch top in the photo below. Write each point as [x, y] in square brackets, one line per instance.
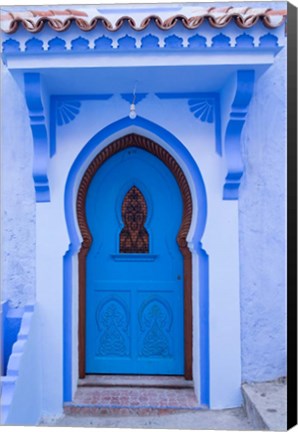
[135, 140]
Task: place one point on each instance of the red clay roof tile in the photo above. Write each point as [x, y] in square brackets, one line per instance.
[86, 20]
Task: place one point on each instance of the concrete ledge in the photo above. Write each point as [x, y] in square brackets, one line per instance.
[265, 404]
[157, 381]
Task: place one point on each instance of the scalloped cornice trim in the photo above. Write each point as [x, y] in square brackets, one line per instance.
[104, 44]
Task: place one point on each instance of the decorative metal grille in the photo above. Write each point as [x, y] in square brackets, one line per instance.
[134, 237]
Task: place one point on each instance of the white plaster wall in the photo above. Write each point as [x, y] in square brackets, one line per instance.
[261, 213]
[51, 241]
[171, 114]
[262, 207]
[199, 138]
[17, 197]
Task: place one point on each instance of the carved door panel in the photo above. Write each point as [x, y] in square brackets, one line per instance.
[134, 294]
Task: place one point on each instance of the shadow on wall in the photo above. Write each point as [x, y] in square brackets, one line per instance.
[20, 366]
[11, 319]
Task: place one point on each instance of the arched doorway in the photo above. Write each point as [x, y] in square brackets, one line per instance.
[132, 185]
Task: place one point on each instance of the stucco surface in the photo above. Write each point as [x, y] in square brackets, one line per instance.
[17, 197]
[262, 206]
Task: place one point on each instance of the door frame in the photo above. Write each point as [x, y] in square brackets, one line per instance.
[135, 140]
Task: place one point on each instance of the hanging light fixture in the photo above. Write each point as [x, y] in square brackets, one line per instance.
[132, 110]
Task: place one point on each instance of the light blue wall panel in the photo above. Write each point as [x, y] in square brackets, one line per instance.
[262, 203]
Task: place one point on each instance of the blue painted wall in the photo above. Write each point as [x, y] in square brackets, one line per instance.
[262, 202]
[10, 326]
[17, 197]
[261, 219]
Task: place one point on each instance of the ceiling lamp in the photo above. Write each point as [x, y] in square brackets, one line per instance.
[132, 110]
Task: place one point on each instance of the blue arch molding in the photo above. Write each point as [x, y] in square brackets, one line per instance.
[239, 108]
[34, 102]
[75, 242]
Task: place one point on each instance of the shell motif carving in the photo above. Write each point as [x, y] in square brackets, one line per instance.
[66, 111]
[112, 322]
[202, 109]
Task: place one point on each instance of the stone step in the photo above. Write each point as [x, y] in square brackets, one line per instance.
[135, 381]
[123, 400]
[265, 404]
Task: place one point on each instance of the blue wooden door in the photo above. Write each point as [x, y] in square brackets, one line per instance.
[134, 292]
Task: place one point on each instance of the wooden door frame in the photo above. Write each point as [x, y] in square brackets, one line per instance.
[135, 140]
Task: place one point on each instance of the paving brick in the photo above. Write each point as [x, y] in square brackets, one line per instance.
[118, 400]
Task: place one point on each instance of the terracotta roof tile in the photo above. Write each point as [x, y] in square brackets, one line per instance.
[276, 12]
[87, 19]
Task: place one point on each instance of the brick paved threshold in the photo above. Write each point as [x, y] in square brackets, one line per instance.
[132, 395]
